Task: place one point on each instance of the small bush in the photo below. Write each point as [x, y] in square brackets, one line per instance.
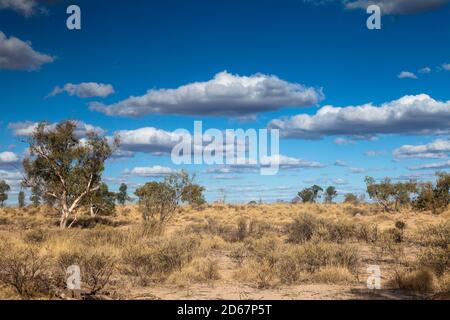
[238, 254]
[158, 258]
[203, 270]
[242, 229]
[334, 275]
[96, 268]
[36, 236]
[307, 227]
[24, 270]
[261, 273]
[367, 232]
[422, 281]
[265, 249]
[302, 228]
[435, 236]
[312, 256]
[436, 259]
[288, 267]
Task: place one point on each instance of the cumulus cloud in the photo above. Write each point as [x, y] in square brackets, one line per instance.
[13, 178]
[358, 170]
[24, 7]
[225, 95]
[148, 140]
[343, 141]
[446, 66]
[397, 6]
[374, 153]
[284, 163]
[425, 70]
[16, 54]
[8, 159]
[419, 114]
[84, 90]
[340, 163]
[155, 171]
[26, 129]
[340, 182]
[432, 166]
[161, 142]
[406, 75]
[437, 149]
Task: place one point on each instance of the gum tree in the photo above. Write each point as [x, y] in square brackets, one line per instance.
[4, 189]
[330, 194]
[122, 195]
[64, 167]
[158, 201]
[21, 199]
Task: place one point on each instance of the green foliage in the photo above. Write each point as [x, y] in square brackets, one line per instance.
[122, 195]
[310, 195]
[390, 196]
[330, 194]
[35, 197]
[159, 200]
[101, 201]
[434, 197]
[193, 194]
[63, 167]
[4, 189]
[351, 198]
[21, 199]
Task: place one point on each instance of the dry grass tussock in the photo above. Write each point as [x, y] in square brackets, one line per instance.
[259, 246]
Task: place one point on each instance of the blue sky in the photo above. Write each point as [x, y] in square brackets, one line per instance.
[126, 48]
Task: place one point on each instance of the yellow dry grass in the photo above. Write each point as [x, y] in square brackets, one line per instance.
[224, 247]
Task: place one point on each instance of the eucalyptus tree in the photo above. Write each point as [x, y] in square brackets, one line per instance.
[64, 167]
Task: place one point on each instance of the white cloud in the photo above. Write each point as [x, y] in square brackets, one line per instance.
[340, 182]
[407, 75]
[12, 178]
[358, 170]
[432, 166]
[446, 66]
[226, 177]
[284, 163]
[16, 54]
[155, 171]
[397, 6]
[343, 141]
[340, 163]
[24, 7]
[161, 142]
[437, 149]
[84, 90]
[225, 95]
[148, 140]
[26, 129]
[419, 114]
[8, 159]
[425, 70]
[374, 153]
